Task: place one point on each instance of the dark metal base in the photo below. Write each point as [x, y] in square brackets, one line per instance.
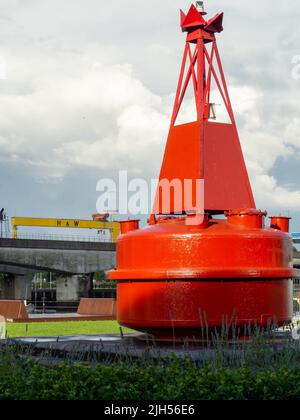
[132, 346]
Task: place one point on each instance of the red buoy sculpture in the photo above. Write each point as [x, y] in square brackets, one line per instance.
[190, 268]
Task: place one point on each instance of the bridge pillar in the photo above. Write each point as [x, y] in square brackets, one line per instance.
[72, 288]
[16, 287]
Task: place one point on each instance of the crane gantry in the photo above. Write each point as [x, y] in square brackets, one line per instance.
[99, 222]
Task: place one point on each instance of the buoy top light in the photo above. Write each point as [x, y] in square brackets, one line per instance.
[200, 7]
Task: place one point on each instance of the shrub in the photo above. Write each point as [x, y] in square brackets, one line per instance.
[171, 379]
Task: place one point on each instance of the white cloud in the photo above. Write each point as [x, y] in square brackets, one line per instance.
[93, 113]
[274, 196]
[292, 132]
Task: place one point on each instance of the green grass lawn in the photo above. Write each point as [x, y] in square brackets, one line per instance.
[45, 329]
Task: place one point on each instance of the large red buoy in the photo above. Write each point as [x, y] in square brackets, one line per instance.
[181, 273]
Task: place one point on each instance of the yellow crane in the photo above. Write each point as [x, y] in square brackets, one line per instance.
[113, 227]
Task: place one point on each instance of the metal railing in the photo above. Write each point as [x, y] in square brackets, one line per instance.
[51, 307]
[296, 291]
[58, 237]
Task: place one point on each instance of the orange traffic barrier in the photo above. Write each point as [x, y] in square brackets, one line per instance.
[105, 308]
[13, 310]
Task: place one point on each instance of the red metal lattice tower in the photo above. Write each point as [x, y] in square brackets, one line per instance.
[205, 149]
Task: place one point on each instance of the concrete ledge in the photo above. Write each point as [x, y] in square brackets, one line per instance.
[65, 245]
[13, 310]
[71, 261]
[98, 307]
[62, 318]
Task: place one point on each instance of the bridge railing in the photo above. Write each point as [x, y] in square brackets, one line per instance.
[296, 239]
[58, 237]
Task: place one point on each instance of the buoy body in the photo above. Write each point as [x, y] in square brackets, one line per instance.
[174, 277]
[177, 278]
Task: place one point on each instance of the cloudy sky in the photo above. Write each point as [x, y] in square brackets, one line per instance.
[86, 89]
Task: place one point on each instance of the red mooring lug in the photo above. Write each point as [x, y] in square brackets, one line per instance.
[129, 226]
[250, 218]
[280, 223]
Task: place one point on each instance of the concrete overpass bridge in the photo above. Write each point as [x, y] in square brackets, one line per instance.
[297, 259]
[74, 261]
[296, 240]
